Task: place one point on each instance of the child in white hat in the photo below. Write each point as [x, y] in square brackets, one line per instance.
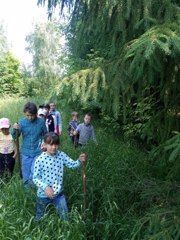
[41, 113]
[7, 148]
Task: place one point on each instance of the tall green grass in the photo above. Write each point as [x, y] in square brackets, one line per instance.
[124, 199]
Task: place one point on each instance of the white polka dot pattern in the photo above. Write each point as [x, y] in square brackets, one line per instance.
[49, 169]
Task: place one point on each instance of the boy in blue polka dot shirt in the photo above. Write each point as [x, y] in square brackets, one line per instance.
[48, 176]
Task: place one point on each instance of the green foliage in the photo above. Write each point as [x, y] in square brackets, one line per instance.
[83, 87]
[28, 85]
[149, 62]
[146, 96]
[166, 157]
[9, 75]
[44, 43]
[109, 123]
[138, 122]
[162, 224]
[107, 25]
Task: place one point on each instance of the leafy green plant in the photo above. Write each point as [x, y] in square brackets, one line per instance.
[10, 75]
[167, 156]
[158, 225]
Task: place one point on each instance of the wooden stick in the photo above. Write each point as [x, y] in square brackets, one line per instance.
[18, 152]
[84, 184]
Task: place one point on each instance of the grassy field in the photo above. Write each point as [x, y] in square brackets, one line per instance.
[124, 198]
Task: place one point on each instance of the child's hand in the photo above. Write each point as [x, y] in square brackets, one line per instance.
[16, 126]
[49, 192]
[82, 157]
[71, 133]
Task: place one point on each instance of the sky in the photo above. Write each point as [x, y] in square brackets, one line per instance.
[18, 17]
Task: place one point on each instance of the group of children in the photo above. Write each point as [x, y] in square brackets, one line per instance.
[51, 116]
[42, 161]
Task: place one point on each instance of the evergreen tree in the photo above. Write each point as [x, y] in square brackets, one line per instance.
[137, 44]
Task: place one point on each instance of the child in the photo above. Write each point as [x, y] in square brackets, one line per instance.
[41, 113]
[48, 176]
[57, 118]
[86, 131]
[72, 127]
[33, 130]
[7, 148]
[49, 120]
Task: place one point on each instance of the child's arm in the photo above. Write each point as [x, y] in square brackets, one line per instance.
[13, 131]
[75, 132]
[70, 163]
[70, 129]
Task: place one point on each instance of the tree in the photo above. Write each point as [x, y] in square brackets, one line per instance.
[9, 74]
[139, 43]
[45, 47]
[3, 42]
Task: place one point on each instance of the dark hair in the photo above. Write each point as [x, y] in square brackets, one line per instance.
[51, 138]
[31, 108]
[52, 101]
[46, 106]
[41, 106]
[89, 114]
